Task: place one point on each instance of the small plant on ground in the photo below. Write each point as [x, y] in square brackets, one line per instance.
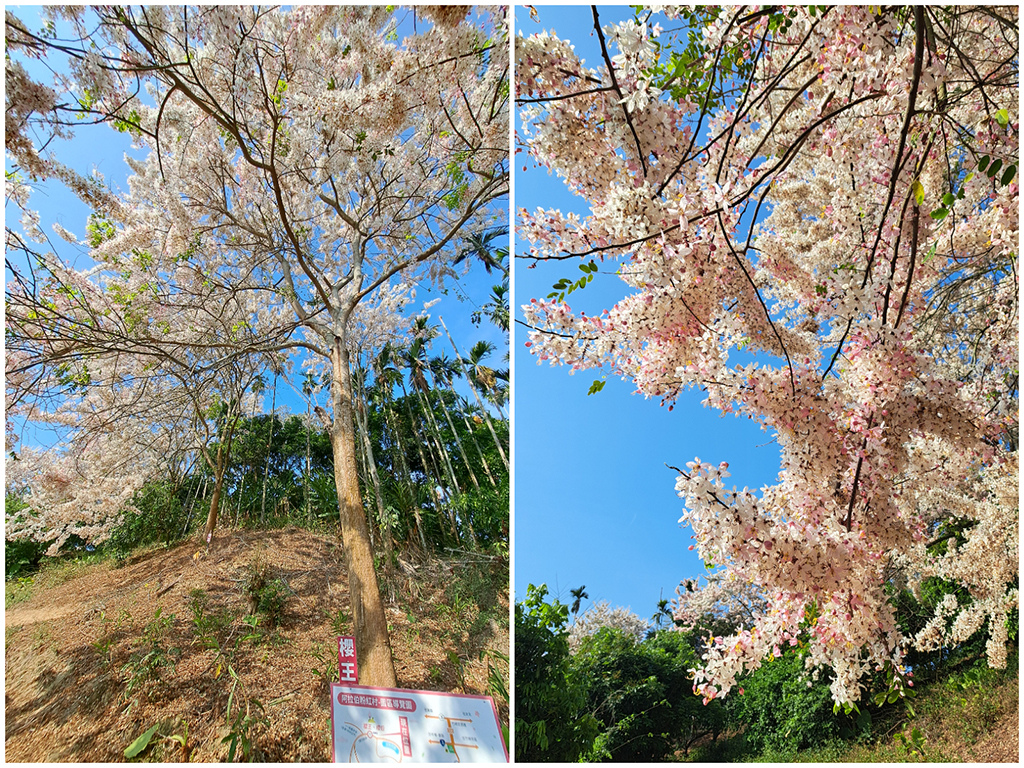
[249, 716]
[325, 664]
[104, 644]
[339, 621]
[271, 601]
[209, 626]
[146, 665]
[141, 744]
[459, 664]
[265, 595]
[17, 590]
[497, 682]
[436, 675]
[913, 743]
[497, 675]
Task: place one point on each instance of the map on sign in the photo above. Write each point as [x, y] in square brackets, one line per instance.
[374, 725]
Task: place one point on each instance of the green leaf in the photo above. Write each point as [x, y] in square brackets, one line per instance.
[141, 743]
[948, 199]
[1002, 117]
[918, 191]
[994, 168]
[596, 387]
[983, 163]
[939, 213]
[1008, 175]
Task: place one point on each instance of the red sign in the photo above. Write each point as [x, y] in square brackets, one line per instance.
[348, 670]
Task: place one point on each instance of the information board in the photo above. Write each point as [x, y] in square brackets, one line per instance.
[394, 725]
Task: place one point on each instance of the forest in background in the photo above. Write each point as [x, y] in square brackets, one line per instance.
[603, 684]
[434, 473]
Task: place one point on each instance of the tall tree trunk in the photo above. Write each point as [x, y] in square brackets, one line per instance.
[462, 452]
[371, 625]
[420, 441]
[472, 386]
[364, 463]
[364, 427]
[406, 474]
[219, 467]
[266, 467]
[211, 517]
[455, 432]
[433, 466]
[472, 433]
[305, 477]
[445, 456]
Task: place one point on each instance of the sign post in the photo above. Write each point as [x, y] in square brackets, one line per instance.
[348, 669]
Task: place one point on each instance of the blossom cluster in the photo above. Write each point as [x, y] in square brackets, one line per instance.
[827, 224]
[601, 615]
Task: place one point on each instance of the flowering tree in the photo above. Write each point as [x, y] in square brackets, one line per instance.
[113, 357]
[307, 158]
[831, 193]
[723, 597]
[601, 615]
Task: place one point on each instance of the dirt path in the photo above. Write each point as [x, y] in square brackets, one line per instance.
[25, 616]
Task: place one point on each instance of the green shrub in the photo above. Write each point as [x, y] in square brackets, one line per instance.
[144, 669]
[486, 509]
[271, 601]
[552, 723]
[160, 518]
[21, 556]
[266, 596]
[784, 709]
[643, 695]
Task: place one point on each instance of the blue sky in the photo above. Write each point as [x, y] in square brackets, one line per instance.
[595, 504]
[103, 149]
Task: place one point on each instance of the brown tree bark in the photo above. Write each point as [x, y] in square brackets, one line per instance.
[220, 468]
[373, 644]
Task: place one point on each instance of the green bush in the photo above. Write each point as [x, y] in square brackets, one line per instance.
[266, 596]
[552, 723]
[784, 710]
[160, 517]
[21, 556]
[486, 509]
[643, 695]
[271, 601]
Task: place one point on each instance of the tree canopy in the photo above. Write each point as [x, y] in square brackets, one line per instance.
[304, 169]
[814, 212]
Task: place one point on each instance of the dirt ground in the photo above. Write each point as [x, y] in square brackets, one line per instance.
[73, 650]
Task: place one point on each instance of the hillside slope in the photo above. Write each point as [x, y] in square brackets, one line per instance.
[93, 662]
